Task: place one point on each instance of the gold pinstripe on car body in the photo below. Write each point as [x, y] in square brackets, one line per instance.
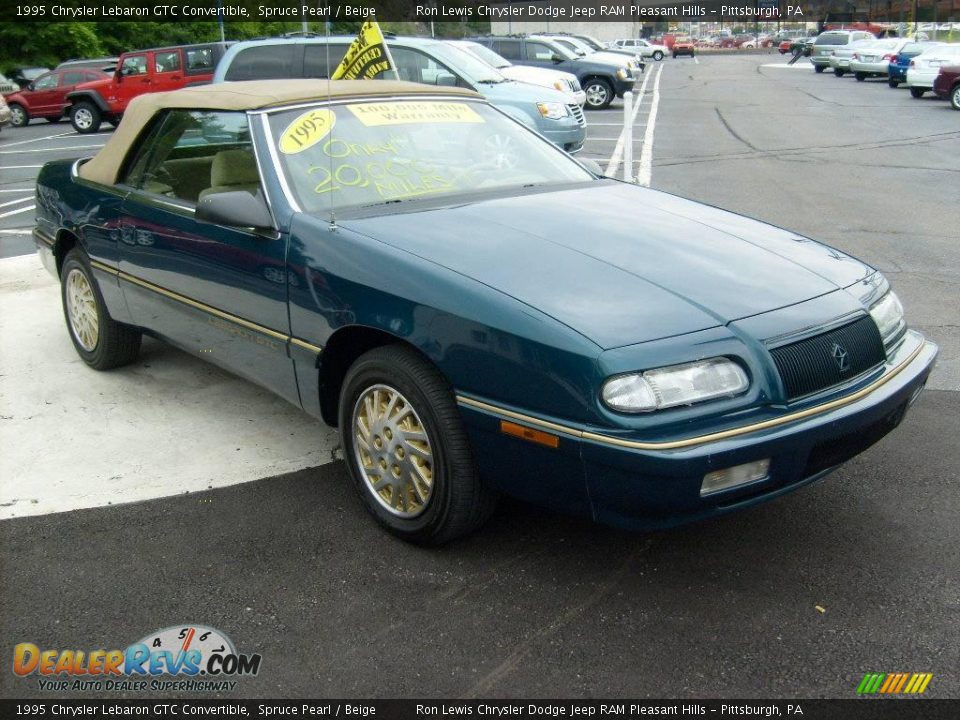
[700, 439]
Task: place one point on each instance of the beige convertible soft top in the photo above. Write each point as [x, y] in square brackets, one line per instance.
[251, 95]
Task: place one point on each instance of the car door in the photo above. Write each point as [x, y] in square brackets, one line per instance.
[44, 96]
[220, 292]
[167, 70]
[539, 54]
[134, 79]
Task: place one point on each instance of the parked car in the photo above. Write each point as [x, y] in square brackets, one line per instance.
[874, 60]
[591, 43]
[897, 69]
[46, 97]
[644, 48]
[683, 46]
[601, 80]
[563, 81]
[140, 72]
[4, 112]
[841, 57]
[638, 377]
[586, 48]
[7, 86]
[925, 67]
[947, 84]
[831, 40]
[23, 76]
[553, 113]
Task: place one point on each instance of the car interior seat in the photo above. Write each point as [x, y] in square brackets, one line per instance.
[233, 170]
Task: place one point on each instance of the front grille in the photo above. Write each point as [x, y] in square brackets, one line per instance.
[829, 359]
[577, 113]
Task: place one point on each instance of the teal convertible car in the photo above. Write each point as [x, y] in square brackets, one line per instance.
[415, 267]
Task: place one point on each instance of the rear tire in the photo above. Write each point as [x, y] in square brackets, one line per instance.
[818, 68]
[101, 342]
[917, 92]
[85, 117]
[838, 72]
[860, 76]
[407, 451]
[18, 115]
[955, 97]
[658, 56]
[893, 83]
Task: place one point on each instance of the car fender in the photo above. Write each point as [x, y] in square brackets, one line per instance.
[92, 95]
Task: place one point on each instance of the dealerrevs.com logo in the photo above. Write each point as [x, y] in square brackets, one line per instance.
[179, 658]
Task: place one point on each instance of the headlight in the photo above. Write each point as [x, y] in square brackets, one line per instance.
[623, 74]
[553, 110]
[887, 313]
[675, 385]
[558, 84]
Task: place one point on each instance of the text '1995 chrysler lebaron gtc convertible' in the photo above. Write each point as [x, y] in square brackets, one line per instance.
[415, 267]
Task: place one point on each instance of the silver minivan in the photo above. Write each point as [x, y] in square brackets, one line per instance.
[829, 41]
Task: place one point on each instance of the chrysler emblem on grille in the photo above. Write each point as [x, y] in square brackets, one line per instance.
[841, 357]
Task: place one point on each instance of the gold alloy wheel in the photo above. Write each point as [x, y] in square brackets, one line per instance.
[393, 451]
[82, 310]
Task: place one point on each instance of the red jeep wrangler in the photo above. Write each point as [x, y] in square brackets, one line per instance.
[139, 72]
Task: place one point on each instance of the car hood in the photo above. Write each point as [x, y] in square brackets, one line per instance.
[536, 75]
[618, 263]
[515, 91]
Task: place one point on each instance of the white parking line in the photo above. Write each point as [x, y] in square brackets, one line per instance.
[18, 200]
[15, 232]
[45, 137]
[53, 149]
[19, 190]
[17, 212]
[19, 167]
[696, 60]
[645, 173]
[614, 162]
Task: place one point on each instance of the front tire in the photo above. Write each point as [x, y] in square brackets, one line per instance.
[838, 72]
[18, 115]
[955, 97]
[917, 92]
[658, 56]
[101, 342]
[893, 83]
[406, 448]
[85, 117]
[818, 68]
[860, 76]
[599, 94]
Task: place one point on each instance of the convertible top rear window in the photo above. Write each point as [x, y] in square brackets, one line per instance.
[373, 153]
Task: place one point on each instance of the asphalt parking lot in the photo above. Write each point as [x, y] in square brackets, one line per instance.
[796, 598]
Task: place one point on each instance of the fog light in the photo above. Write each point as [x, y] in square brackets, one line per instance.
[731, 477]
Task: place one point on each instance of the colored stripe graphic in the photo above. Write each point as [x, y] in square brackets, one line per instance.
[894, 683]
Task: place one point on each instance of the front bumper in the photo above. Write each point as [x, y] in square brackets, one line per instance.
[634, 483]
[622, 86]
[567, 134]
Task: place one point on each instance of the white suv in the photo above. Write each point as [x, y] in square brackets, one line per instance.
[643, 48]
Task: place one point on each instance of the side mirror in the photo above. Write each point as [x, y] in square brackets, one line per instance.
[555, 58]
[31, 87]
[446, 79]
[235, 208]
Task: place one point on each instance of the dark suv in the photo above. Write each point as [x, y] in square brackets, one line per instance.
[600, 80]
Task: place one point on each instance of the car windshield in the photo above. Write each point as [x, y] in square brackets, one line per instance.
[591, 41]
[362, 154]
[832, 39]
[472, 68]
[485, 54]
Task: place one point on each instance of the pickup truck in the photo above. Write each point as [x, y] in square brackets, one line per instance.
[139, 72]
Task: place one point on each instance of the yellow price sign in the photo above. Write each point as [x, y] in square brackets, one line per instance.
[306, 131]
[402, 113]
